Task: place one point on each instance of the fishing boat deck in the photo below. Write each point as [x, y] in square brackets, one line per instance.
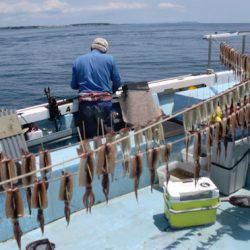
[124, 224]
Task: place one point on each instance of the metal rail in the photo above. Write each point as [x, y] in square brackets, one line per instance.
[226, 35]
[211, 37]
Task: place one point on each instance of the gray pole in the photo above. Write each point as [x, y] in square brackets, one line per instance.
[243, 44]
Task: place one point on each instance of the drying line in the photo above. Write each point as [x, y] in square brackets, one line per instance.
[130, 135]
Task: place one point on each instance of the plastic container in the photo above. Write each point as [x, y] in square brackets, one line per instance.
[161, 171]
[187, 204]
[33, 135]
[203, 158]
[229, 173]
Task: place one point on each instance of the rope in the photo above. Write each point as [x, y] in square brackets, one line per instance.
[128, 136]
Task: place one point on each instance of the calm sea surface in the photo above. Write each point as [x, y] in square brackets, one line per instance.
[34, 58]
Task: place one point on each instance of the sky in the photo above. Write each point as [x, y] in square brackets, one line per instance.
[60, 12]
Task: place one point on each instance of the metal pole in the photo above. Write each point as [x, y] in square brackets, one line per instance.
[243, 44]
[209, 52]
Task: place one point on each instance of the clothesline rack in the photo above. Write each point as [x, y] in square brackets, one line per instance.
[215, 36]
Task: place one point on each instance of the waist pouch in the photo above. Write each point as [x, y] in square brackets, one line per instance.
[90, 97]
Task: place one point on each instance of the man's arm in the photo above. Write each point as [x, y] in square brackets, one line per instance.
[74, 82]
[115, 77]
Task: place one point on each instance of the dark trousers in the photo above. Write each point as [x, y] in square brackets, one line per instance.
[92, 111]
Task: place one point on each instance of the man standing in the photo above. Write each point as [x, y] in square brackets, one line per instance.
[96, 77]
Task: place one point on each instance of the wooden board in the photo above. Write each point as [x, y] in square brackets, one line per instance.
[9, 126]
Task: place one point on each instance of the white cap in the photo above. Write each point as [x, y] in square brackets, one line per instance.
[100, 44]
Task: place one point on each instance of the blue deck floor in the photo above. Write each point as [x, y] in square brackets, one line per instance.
[124, 224]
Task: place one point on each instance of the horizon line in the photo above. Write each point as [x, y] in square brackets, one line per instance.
[111, 23]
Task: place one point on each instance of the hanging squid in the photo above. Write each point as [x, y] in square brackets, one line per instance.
[97, 142]
[138, 137]
[86, 174]
[105, 181]
[136, 171]
[66, 193]
[241, 121]
[187, 142]
[28, 165]
[196, 155]
[148, 136]
[85, 145]
[153, 156]
[218, 130]
[45, 161]
[225, 130]
[126, 149]
[209, 142]
[158, 133]
[166, 150]
[106, 165]
[7, 171]
[100, 159]
[233, 124]
[111, 158]
[102, 169]
[247, 118]
[39, 201]
[149, 153]
[14, 210]
[110, 138]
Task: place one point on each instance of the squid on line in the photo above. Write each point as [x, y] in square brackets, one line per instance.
[28, 165]
[14, 210]
[45, 161]
[110, 137]
[136, 171]
[107, 168]
[86, 174]
[100, 159]
[105, 183]
[241, 121]
[225, 130]
[85, 145]
[166, 151]
[153, 156]
[66, 193]
[196, 155]
[218, 136]
[138, 137]
[126, 149]
[233, 124]
[7, 171]
[97, 142]
[187, 142]
[110, 152]
[148, 134]
[102, 168]
[208, 146]
[39, 201]
[247, 117]
[158, 133]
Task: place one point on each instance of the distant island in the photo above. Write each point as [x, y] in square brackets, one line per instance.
[54, 26]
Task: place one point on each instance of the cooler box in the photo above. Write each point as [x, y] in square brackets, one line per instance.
[229, 173]
[188, 205]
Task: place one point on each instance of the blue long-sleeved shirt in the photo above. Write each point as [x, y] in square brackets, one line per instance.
[94, 72]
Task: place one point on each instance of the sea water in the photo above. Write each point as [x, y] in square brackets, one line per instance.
[32, 58]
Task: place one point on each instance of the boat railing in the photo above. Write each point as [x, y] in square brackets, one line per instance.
[212, 37]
